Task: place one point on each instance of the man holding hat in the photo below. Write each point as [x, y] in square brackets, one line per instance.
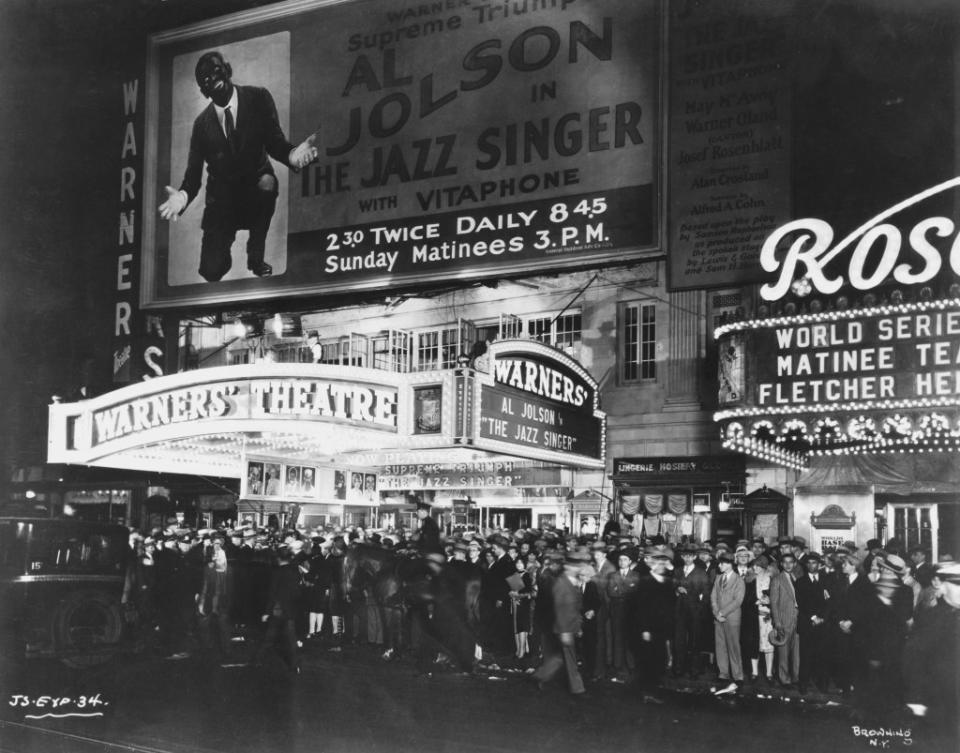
[725, 602]
[783, 618]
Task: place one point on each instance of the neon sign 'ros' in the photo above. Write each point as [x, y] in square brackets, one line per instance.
[812, 249]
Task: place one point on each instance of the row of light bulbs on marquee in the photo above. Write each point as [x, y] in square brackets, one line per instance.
[838, 315]
[952, 401]
[898, 433]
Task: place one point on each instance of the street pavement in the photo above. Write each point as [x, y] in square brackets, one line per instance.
[353, 700]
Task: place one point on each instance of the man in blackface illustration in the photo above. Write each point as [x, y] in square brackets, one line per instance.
[234, 135]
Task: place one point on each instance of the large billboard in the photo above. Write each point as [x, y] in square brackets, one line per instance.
[730, 152]
[456, 139]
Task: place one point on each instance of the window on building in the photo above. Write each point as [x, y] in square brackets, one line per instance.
[441, 348]
[563, 332]
[391, 350]
[639, 342]
[291, 353]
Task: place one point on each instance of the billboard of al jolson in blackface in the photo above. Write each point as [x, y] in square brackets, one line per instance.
[338, 146]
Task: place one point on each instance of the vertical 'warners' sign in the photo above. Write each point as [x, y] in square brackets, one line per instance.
[455, 138]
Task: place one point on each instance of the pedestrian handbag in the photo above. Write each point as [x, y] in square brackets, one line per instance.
[277, 610]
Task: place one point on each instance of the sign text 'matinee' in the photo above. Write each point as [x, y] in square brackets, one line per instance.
[301, 398]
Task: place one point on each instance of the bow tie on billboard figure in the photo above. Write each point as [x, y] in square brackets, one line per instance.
[235, 136]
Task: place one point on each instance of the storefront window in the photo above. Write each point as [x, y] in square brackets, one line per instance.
[915, 525]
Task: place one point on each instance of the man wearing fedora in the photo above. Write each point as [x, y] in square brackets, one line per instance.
[428, 533]
[813, 603]
[495, 599]
[726, 599]
[597, 613]
[621, 593]
[852, 603]
[559, 648]
[921, 570]
[693, 597]
[783, 617]
[654, 605]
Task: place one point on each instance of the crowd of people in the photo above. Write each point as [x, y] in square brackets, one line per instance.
[878, 624]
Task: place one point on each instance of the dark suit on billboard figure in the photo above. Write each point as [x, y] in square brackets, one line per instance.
[234, 135]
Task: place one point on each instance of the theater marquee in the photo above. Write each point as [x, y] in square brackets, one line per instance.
[457, 140]
[252, 421]
[879, 376]
[539, 403]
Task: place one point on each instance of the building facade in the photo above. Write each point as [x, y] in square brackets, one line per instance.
[594, 185]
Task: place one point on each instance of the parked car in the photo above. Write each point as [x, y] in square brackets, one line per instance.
[61, 583]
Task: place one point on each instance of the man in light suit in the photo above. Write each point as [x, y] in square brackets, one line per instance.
[783, 618]
[725, 600]
[233, 136]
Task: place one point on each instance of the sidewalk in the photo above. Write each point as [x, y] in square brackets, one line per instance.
[507, 667]
[759, 689]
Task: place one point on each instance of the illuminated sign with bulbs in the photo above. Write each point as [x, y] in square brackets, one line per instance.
[875, 259]
[300, 398]
[820, 377]
[883, 379]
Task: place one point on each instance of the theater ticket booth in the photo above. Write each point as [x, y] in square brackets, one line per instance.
[330, 445]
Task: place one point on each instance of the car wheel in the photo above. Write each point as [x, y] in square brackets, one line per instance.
[87, 628]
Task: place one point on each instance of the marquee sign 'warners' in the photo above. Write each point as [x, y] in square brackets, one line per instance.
[301, 398]
[543, 380]
[539, 403]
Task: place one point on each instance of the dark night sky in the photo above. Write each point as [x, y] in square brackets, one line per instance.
[874, 88]
[64, 62]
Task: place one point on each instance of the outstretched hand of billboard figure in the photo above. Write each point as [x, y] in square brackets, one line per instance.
[174, 205]
[307, 152]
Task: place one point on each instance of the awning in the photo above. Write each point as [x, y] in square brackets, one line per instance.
[930, 473]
